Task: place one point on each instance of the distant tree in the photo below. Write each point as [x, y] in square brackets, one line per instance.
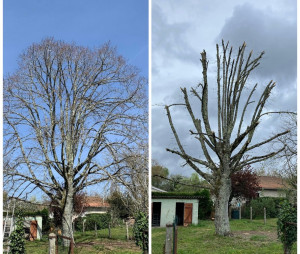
[244, 184]
[288, 157]
[120, 205]
[224, 145]
[158, 173]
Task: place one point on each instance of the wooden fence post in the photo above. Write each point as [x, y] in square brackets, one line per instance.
[96, 232]
[127, 234]
[169, 238]
[71, 247]
[175, 240]
[52, 240]
[265, 216]
[251, 213]
[109, 235]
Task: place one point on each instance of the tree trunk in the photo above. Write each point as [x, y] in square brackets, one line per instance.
[287, 249]
[67, 218]
[221, 207]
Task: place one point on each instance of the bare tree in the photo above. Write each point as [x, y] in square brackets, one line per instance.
[287, 159]
[135, 179]
[68, 111]
[223, 149]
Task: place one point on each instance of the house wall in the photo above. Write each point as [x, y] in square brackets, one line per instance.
[94, 210]
[272, 193]
[168, 210]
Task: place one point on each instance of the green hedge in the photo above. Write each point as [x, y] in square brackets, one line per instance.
[140, 231]
[177, 194]
[272, 206]
[101, 220]
[205, 205]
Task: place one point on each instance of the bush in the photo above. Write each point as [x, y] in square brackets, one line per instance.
[140, 231]
[205, 205]
[271, 204]
[287, 226]
[101, 220]
[17, 242]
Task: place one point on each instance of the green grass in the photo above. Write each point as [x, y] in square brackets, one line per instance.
[248, 237]
[88, 242]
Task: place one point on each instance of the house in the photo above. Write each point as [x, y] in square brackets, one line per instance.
[95, 204]
[166, 207]
[272, 186]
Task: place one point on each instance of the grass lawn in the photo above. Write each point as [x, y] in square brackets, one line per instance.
[87, 242]
[248, 237]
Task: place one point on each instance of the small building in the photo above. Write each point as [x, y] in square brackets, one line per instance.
[32, 225]
[272, 186]
[169, 206]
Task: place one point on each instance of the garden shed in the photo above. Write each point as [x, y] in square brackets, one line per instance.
[168, 206]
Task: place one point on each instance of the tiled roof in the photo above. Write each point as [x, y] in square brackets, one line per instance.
[271, 182]
[96, 202]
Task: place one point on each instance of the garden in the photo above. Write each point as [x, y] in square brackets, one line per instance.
[247, 237]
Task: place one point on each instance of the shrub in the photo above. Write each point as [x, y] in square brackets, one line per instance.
[17, 242]
[140, 231]
[205, 205]
[287, 226]
[101, 220]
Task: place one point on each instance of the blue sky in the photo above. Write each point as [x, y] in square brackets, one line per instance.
[85, 22]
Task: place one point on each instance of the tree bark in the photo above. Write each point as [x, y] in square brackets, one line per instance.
[221, 207]
[67, 217]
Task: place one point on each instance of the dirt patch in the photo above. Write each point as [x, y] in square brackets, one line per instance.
[270, 235]
[109, 245]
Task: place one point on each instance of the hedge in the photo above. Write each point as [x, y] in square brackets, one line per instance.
[101, 221]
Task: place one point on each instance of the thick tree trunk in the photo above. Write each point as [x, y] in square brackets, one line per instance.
[67, 217]
[221, 207]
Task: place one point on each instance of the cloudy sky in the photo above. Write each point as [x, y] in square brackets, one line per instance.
[182, 29]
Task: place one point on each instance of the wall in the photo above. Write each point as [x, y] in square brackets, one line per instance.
[168, 209]
[272, 193]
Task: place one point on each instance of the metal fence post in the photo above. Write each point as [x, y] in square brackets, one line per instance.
[251, 213]
[265, 216]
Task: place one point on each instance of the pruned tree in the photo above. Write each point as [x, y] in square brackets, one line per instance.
[224, 148]
[68, 111]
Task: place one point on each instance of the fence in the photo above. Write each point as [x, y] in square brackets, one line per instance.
[54, 244]
[170, 246]
[237, 214]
